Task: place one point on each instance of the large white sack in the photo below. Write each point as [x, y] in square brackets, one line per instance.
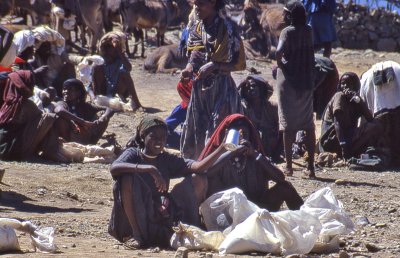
[224, 210]
[286, 232]
[329, 210]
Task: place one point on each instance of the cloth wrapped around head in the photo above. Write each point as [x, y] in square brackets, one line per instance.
[44, 33]
[219, 135]
[24, 39]
[111, 36]
[141, 130]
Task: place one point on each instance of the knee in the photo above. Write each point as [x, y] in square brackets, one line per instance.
[200, 185]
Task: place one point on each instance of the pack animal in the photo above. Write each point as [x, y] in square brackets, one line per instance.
[165, 59]
[140, 14]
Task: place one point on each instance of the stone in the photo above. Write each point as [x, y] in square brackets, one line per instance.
[362, 221]
[372, 247]
[343, 254]
[372, 35]
[182, 252]
[209, 255]
[386, 44]
[116, 246]
[393, 210]
[380, 225]
[341, 182]
[73, 245]
[349, 24]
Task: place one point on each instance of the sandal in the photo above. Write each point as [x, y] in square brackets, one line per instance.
[132, 244]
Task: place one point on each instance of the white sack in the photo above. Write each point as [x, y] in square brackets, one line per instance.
[194, 238]
[224, 210]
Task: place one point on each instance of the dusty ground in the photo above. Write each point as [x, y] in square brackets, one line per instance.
[76, 199]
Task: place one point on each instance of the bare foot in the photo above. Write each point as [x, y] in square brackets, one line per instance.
[288, 171]
[308, 174]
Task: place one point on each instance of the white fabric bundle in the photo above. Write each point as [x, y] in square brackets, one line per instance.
[379, 97]
[23, 39]
[84, 68]
[77, 152]
[44, 33]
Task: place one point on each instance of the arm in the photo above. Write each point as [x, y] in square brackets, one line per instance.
[119, 169]
[279, 53]
[338, 123]
[365, 111]
[274, 173]
[63, 113]
[207, 162]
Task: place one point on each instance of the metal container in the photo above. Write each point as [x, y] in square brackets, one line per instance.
[232, 140]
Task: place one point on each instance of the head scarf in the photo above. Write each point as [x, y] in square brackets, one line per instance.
[44, 33]
[219, 135]
[19, 86]
[266, 90]
[77, 84]
[297, 12]
[113, 35]
[23, 39]
[351, 79]
[144, 125]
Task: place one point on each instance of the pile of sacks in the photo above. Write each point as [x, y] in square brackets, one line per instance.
[236, 225]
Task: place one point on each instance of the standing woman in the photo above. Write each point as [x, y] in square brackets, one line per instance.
[295, 81]
[217, 48]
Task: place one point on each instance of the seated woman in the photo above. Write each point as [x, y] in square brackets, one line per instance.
[143, 212]
[248, 169]
[79, 121]
[339, 131]
[263, 113]
[113, 77]
[24, 129]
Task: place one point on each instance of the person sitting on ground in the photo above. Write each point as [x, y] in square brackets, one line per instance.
[80, 122]
[144, 212]
[24, 129]
[113, 77]
[50, 52]
[339, 131]
[248, 169]
[263, 113]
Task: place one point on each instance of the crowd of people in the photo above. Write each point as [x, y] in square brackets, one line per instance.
[44, 105]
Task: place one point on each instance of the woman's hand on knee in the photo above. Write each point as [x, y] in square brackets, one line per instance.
[159, 181]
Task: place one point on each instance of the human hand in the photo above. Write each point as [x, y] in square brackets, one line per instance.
[159, 181]
[86, 125]
[206, 70]
[186, 75]
[248, 148]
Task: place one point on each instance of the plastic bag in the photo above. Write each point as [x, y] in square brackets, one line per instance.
[42, 238]
[8, 239]
[255, 234]
[329, 210]
[285, 232]
[194, 238]
[224, 210]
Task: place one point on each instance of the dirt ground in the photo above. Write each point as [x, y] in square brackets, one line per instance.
[76, 199]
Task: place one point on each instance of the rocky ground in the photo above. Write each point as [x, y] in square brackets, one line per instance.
[76, 199]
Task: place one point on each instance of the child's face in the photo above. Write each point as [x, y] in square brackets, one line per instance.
[155, 140]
